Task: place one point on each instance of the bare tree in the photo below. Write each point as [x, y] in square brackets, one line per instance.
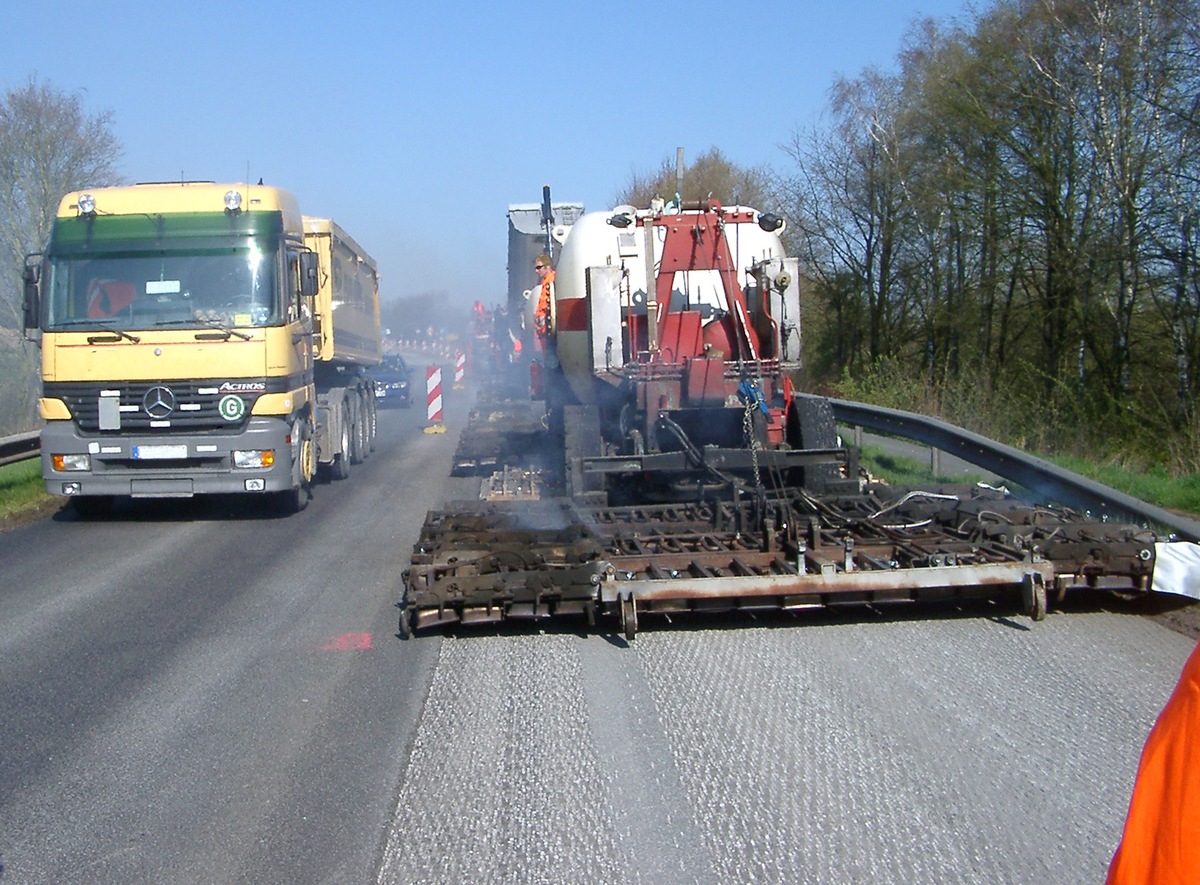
[48, 146]
[1016, 213]
[710, 175]
[849, 205]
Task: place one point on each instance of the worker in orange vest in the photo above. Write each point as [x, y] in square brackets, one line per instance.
[541, 315]
[1161, 842]
[543, 322]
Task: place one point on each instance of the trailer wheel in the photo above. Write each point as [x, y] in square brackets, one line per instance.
[366, 426]
[373, 421]
[629, 618]
[404, 628]
[341, 461]
[358, 445]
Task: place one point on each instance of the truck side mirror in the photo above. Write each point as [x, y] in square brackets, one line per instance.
[309, 284]
[31, 276]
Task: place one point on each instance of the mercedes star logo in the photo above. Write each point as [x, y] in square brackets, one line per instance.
[159, 402]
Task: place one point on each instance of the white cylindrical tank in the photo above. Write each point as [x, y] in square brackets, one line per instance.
[593, 242]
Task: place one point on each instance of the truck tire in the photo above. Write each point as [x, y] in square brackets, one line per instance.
[92, 506]
[367, 416]
[295, 499]
[340, 468]
[291, 501]
[358, 445]
[373, 422]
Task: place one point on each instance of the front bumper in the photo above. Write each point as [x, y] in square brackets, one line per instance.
[157, 466]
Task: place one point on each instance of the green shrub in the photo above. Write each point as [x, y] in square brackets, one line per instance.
[1137, 445]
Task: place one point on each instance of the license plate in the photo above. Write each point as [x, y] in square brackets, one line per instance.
[144, 453]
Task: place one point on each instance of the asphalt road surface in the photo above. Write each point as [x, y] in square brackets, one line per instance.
[967, 747]
[196, 693]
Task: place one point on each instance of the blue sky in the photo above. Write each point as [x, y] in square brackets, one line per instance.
[416, 125]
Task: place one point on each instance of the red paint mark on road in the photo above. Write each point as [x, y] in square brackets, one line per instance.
[349, 642]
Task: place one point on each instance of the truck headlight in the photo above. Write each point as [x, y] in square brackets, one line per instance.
[250, 459]
[71, 462]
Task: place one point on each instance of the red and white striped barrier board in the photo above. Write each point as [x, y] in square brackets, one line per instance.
[433, 399]
[460, 369]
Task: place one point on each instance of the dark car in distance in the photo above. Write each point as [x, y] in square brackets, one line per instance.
[392, 381]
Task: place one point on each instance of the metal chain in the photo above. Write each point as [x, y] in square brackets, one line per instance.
[751, 440]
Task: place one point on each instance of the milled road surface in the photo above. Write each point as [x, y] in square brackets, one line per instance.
[934, 749]
[194, 693]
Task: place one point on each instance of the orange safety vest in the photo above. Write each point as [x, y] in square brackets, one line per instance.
[1161, 842]
[543, 306]
[106, 298]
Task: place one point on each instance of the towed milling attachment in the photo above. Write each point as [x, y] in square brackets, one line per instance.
[522, 552]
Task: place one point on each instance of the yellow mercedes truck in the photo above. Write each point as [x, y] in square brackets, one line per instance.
[200, 338]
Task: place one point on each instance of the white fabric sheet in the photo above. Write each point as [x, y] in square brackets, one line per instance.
[1177, 569]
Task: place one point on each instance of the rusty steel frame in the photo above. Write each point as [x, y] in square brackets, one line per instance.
[736, 546]
[557, 556]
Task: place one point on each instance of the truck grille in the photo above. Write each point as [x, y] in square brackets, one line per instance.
[159, 406]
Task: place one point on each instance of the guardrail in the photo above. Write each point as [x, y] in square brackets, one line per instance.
[19, 447]
[1055, 483]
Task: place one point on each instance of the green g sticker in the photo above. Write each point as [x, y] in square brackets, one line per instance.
[232, 408]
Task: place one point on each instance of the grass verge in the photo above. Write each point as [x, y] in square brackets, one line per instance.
[23, 493]
[1180, 494]
[901, 471]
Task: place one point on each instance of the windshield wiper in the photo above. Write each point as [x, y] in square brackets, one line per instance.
[108, 333]
[222, 334]
[115, 335]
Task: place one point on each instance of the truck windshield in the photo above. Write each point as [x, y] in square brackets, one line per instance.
[226, 287]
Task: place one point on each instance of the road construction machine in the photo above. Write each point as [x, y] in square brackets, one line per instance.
[685, 471]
